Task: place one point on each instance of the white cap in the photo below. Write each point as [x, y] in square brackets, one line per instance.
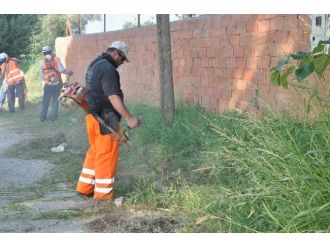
[3, 56]
[119, 45]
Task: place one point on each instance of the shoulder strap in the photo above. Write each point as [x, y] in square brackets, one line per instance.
[97, 62]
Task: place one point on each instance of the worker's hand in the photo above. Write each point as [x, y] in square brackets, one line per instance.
[122, 139]
[133, 122]
[70, 73]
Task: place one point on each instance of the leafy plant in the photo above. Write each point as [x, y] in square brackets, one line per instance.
[306, 63]
[301, 65]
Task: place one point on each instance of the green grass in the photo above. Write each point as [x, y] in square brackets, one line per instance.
[251, 175]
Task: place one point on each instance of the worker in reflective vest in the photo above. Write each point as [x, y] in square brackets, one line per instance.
[13, 77]
[51, 69]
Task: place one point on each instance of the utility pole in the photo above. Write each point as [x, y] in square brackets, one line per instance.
[104, 22]
[139, 20]
[68, 30]
[79, 24]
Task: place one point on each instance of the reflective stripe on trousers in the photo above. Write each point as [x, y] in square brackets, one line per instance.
[99, 168]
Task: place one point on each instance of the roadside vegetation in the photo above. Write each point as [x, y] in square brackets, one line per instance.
[206, 172]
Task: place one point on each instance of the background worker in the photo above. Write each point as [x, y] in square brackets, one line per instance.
[106, 99]
[51, 69]
[13, 79]
[3, 90]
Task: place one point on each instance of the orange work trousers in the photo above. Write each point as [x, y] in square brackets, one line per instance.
[98, 173]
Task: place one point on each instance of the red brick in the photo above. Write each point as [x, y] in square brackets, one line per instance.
[194, 52]
[277, 23]
[203, 53]
[302, 47]
[262, 17]
[215, 42]
[219, 74]
[230, 31]
[222, 31]
[274, 61]
[290, 22]
[240, 63]
[212, 62]
[238, 74]
[210, 52]
[234, 40]
[245, 39]
[209, 22]
[246, 17]
[230, 62]
[304, 23]
[286, 48]
[222, 105]
[204, 62]
[238, 52]
[240, 28]
[248, 51]
[252, 63]
[263, 62]
[248, 74]
[281, 37]
[236, 18]
[228, 51]
[263, 26]
[260, 74]
[221, 62]
[228, 73]
[226, 20]
[252, 27]
[204, 42]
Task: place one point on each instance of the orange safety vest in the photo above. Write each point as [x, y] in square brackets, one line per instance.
[12, 72]
[50, 69]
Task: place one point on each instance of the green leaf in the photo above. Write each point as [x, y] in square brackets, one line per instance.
[319, 47]
[299, 55]
[320, 64]
[304, 70]
[284, 76]
[275, 77]
[282, 62]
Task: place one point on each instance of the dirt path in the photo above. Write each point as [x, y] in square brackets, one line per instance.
[27, 206]
[22, 209]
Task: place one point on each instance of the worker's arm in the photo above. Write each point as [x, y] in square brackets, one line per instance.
[62, 69]
[120, 107]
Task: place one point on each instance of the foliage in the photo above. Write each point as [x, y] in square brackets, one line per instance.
[301, 65]
[15, 33]
[187, 16]
[238, 173]
[52, 26]
[130, 24]
[306, 63]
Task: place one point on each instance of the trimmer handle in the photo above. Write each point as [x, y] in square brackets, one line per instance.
[127, 128]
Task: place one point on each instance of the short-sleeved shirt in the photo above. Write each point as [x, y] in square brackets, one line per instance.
[105, 81]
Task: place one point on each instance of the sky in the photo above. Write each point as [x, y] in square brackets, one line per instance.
[116, 21]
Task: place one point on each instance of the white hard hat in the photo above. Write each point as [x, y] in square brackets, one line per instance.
[120, 45]
[3, 57]
[46, 49]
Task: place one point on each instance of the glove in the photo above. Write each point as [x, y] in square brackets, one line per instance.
[70, 72]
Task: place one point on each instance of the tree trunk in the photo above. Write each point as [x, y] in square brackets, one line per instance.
[165, 67]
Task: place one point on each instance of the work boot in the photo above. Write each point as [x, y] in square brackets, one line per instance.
[85, 196]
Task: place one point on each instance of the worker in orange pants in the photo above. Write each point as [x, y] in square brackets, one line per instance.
[105, 100]
[99, 168]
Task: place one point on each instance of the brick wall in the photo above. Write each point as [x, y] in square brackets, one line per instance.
[219, 61]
